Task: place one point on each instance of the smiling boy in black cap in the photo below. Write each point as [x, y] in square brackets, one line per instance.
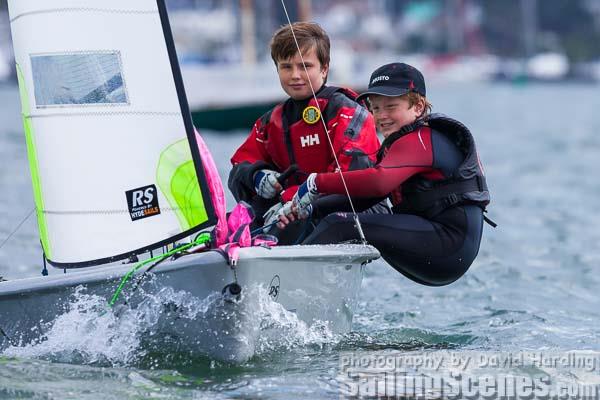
[428, 167]
[397, 95]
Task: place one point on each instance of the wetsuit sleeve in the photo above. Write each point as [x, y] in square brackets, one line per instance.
[408, 156]
[247, 159]
[289, 193]
[353, 134]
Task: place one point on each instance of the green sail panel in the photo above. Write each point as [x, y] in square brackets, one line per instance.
[176, 177]
[33, 165]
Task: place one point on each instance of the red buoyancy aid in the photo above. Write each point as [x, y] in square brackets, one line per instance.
[305, 141]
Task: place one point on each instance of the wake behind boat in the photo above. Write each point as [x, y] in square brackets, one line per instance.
[118, 171]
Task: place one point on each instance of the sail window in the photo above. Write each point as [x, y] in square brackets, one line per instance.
[77, 79]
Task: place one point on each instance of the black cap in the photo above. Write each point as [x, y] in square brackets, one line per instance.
[395, 79]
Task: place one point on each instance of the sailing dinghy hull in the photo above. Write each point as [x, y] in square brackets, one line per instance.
[319, 284]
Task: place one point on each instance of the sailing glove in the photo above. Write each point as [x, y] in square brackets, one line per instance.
[266, 184]
[275, 213]
[306, 194]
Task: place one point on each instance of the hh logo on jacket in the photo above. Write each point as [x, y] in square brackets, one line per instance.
[309, 140]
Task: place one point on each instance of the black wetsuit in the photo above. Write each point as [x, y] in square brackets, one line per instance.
[433, 251]
[433, 176]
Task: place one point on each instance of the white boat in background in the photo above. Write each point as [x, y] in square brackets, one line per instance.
[227, 97]
[548, 66]
[119, 172]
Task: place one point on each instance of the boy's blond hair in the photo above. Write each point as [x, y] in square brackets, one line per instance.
[414, 98]
[309, 35]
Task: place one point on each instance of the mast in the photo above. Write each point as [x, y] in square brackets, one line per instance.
[529, 22]
[455, 23]
[305, 10]
[248, 32]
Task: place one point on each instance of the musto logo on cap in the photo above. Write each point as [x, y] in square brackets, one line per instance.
[311, 115]
[380, 78]
[142, 202]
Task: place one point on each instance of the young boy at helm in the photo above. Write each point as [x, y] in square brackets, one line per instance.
[429, 168]
[293, 132]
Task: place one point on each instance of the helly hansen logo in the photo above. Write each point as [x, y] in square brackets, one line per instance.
[309, 140]
[142, 202]
[380, 78]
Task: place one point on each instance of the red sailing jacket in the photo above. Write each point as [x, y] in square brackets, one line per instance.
[275, 142]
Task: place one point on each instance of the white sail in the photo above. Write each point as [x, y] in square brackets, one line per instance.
[108, 130]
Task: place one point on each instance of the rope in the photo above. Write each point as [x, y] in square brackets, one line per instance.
[84, 10]
[110, 212]
[101, 113]
[17, 228]
[355, 215]
[201, 239]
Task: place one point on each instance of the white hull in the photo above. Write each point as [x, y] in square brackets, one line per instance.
[317, 283]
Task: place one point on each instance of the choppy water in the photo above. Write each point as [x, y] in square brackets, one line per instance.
[533, 286]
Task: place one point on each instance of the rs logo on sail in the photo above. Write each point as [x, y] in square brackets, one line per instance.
[141, 197]
[142, 202]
